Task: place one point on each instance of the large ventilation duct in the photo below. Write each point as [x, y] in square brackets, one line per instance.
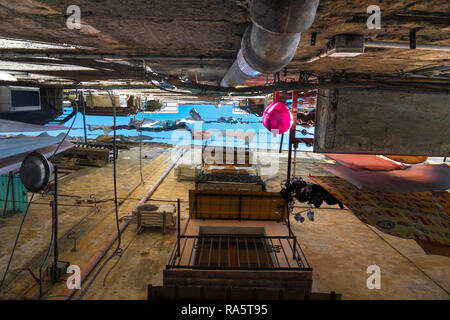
[270, 42]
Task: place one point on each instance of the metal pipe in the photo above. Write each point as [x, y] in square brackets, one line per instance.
[83, 104]
[67, 294]
[292, 131]
[55, 226]
[270, 42]
[7, 195]
[403, 45]
[383, 44]
[12, 54]
[13, 192]
[179, 225]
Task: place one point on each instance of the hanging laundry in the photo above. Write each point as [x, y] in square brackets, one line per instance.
[195, 115]
[419, 178]
[364, 162]
[415, 216]
[408, 159]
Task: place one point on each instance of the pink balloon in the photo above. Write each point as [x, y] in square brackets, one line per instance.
[277, 116]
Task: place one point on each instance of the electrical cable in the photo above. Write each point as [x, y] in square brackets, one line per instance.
[67, 133]
[140, 150]
[118, 250]
[53, 218]
[15, 243]
[28, 207]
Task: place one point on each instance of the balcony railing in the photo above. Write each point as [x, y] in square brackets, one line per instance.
[238, 252]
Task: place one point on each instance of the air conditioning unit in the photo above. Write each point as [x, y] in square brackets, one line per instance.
[17, 99]
[346, 46]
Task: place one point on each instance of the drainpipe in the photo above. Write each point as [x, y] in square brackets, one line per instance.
[270, 42]
[67, 294]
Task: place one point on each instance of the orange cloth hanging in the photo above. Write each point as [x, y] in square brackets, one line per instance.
[360, 162]
[408, 159]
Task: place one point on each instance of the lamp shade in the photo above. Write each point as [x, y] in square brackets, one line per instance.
[35, 172]
[277, 116]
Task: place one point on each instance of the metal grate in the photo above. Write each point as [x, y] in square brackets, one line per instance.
[241, 252]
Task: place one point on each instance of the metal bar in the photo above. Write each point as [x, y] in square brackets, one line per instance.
[294, 240]
[235, 235]
[302, 256]
[237, 268]
[210, 251]
[10, 54]
[182, 251]
[192, 251]
[284, 253]
[292, 248]
[12, 192]
[237, 251]
[201, 251]
[265, 252]
[292, 130]
[55, 235]
[220, 250]
[272, 265]
[179, 225]
[257, 253]
[248, 253]
[295, 158]
[228, 251]
[83, 104]
[7, 196]
[281, 142]
[172, 257]
[275, 253]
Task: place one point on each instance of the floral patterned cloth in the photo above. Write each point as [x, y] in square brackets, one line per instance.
[419, 216]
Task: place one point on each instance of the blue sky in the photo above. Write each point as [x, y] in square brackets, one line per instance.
[263, 139]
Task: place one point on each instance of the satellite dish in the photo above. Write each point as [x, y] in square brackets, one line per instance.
[35, 172]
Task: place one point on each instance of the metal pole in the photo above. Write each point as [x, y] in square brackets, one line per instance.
[294, 246]
[55, 234]
[7, 196]
[281, 143]
[292, 130]
[295, 157]
[179, 226]
[84, 116]
[12, 192]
